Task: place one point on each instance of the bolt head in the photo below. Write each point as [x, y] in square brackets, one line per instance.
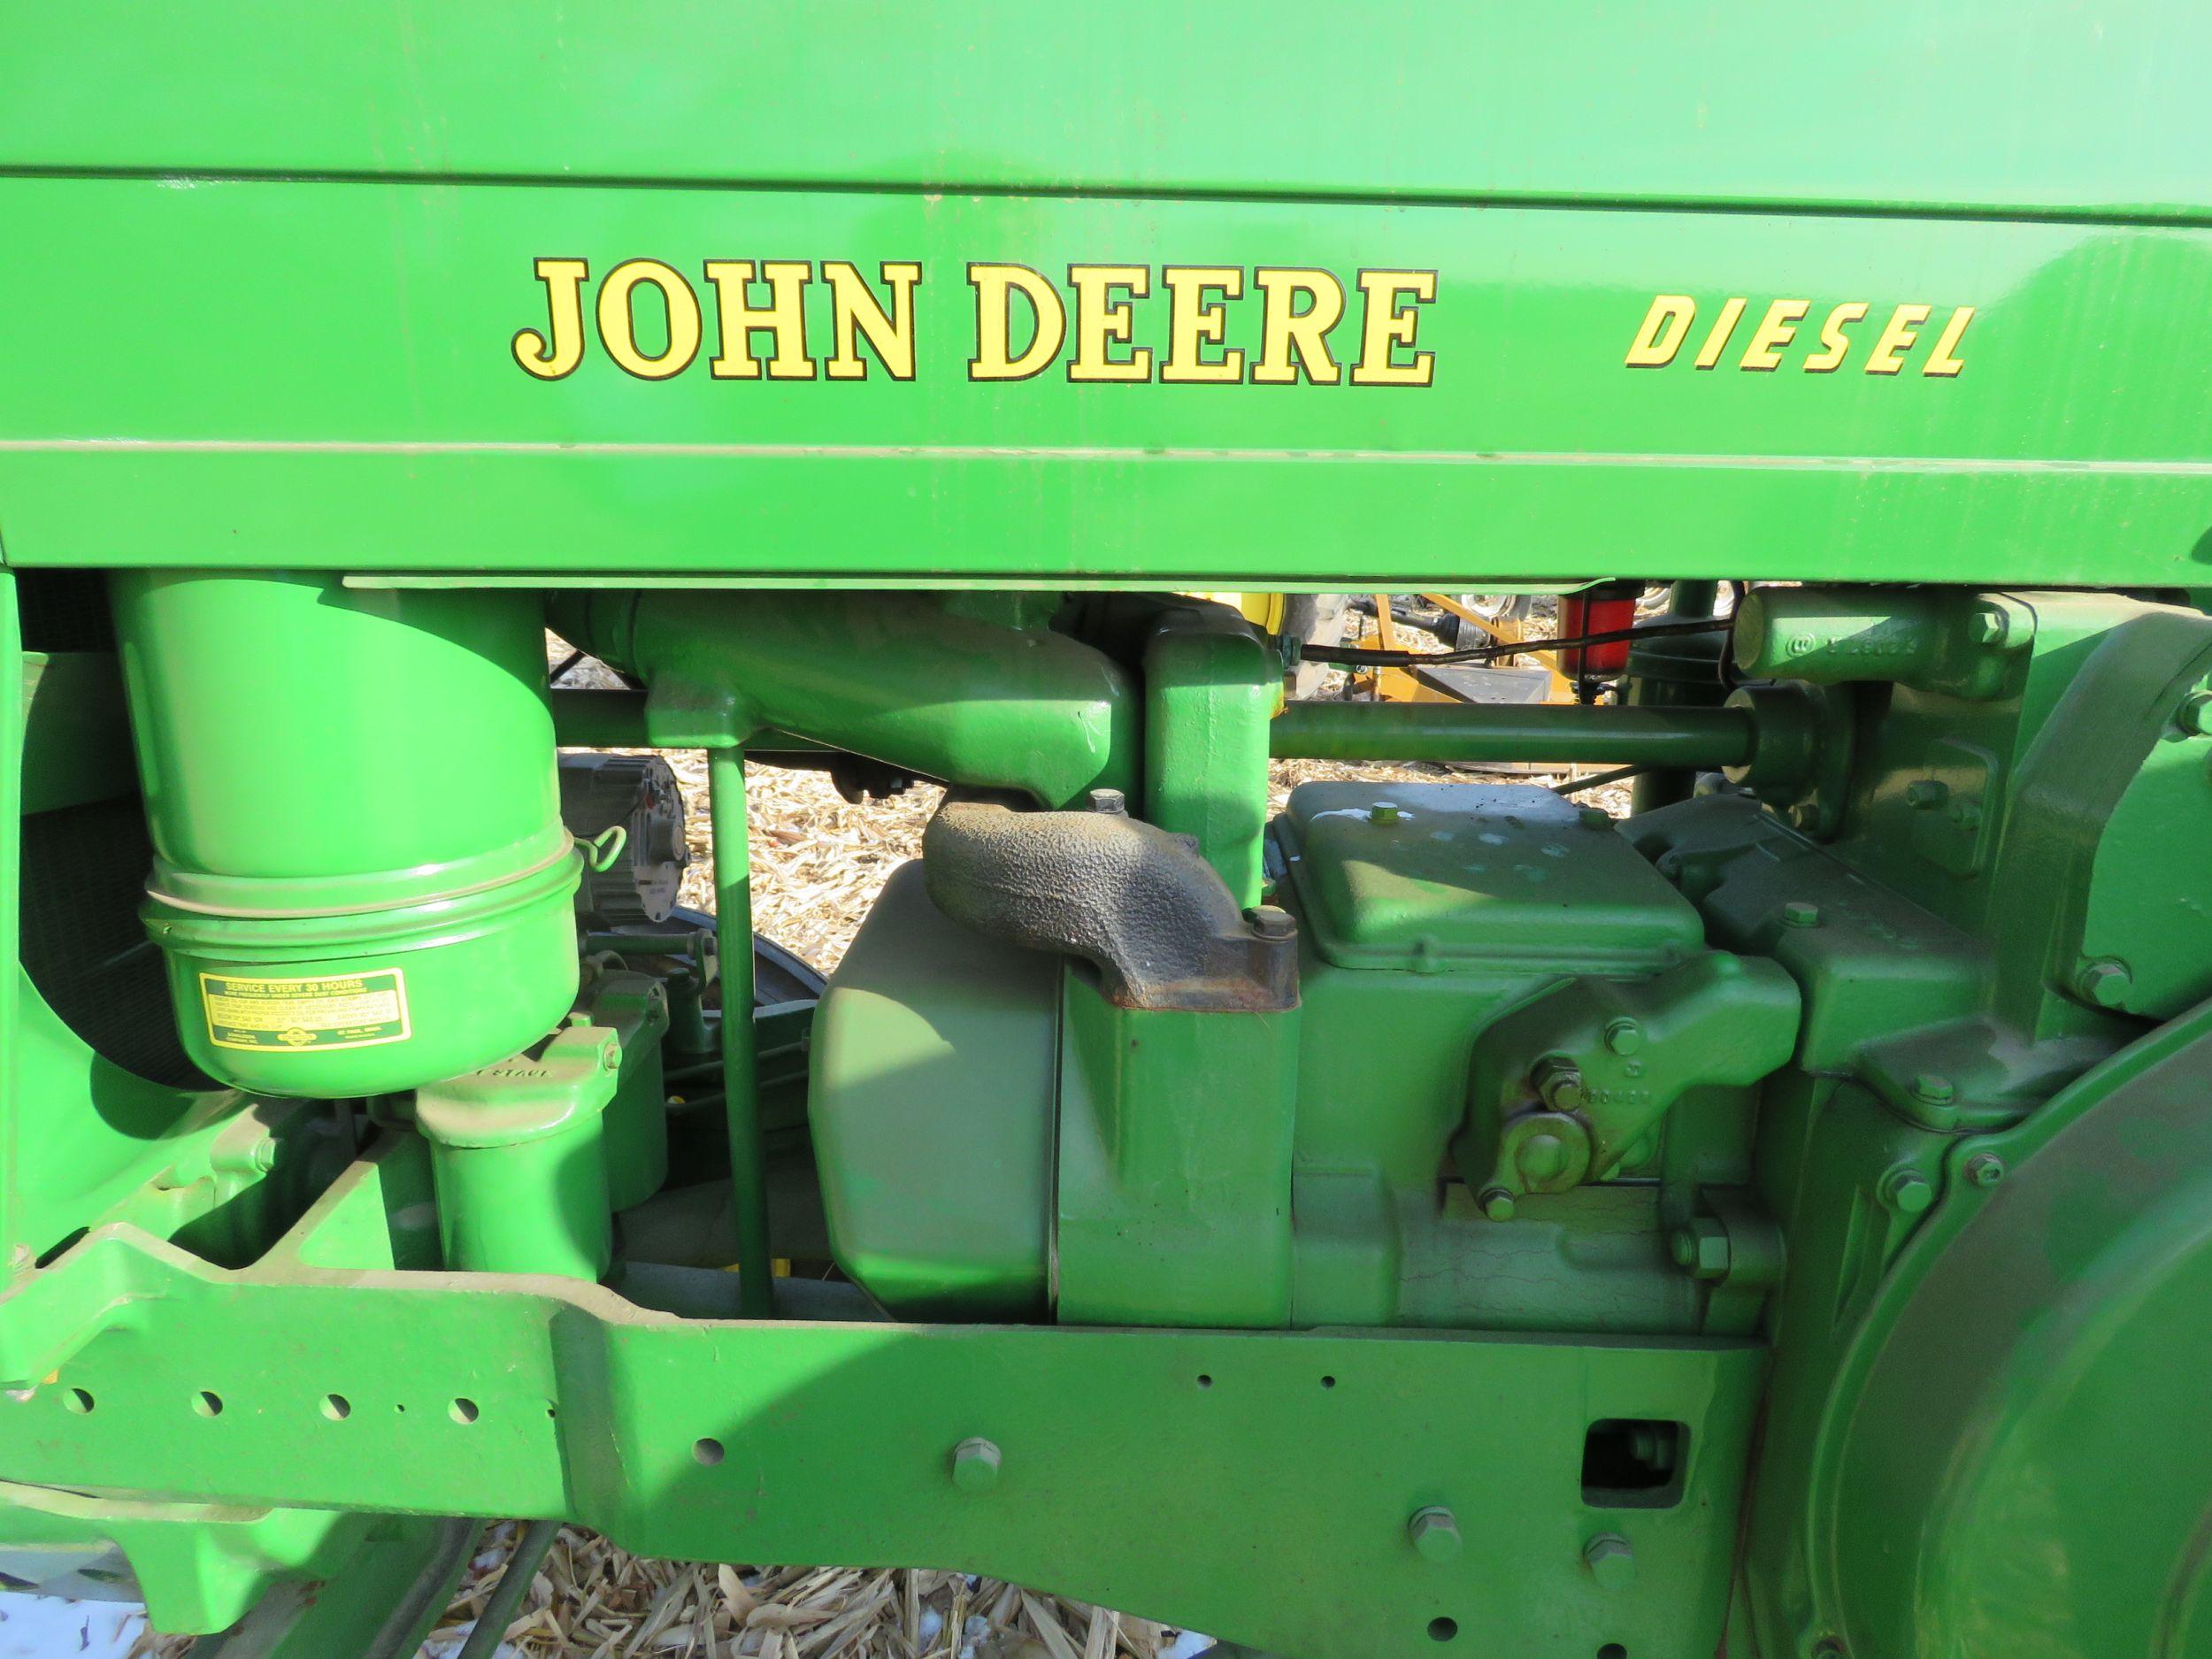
[1611, 1560]
[1989, 626]
[1112, 803]
[1624, 1036]
[1559, 1086]
[1984, 1169]
[1801, 913]
[1908, 1192]
[1270, 921]
[975, 1463]
[1924, 794]
[1934, 1089]
[2194, 716]
[1383, 812]
[1595, 817]
[1701, 1250]
[2105, 982]
[1497, 1204]
[1434, 1532]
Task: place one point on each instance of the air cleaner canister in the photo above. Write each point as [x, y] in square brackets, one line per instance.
[361, 882]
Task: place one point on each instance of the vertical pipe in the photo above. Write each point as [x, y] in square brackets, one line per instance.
[1681, 670]
[733, 941]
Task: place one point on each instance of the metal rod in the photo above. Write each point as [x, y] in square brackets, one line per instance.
[733, 932]
[1475, 731]
[514, 1582]
[1597, 779]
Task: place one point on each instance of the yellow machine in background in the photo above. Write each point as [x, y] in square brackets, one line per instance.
[1279, 613]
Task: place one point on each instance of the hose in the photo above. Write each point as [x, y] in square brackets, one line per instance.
[499, 1607]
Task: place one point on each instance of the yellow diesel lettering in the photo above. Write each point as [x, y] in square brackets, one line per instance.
[1294, 336]
[1773, 335]
[1197, 321]
[1388, 323]
[1102, 321]
[783, 318]
[1897, 337]
[1835, 344]
[995, 359]
[1945, 361]
[854, 313]
[1716, 339]
[1665, 325]
[555, 352]
[618, 319]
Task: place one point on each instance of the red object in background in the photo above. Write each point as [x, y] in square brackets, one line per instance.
[1605, 609]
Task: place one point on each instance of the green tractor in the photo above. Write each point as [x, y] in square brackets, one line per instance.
[1430, 1219]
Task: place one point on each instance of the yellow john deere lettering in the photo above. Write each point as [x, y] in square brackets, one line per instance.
[1670, 320]
[795, 320]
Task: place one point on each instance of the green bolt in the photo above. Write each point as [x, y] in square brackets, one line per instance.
[1701, 1250]
[2194, 716]
[1497, 1204]
[1383, 812]
[1611, 1560]
[1595, 817]
[1434, 1532]
[1989, 626]
[2104, 982]
[1559, 1085]
[1932, 1089]
[975, 1464]
[1624, 1036]
[1907, 1191]
[1984, 1169]
[1801, 913]
[1924, 794]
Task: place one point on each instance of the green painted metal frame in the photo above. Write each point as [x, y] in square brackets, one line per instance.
[1256, 1485]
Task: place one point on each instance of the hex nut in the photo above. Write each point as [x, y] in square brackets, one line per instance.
[1701, 1250]
[1497, 1204]
[2104, 982]
[1611, 1560]
[1801, 913]
[1434, 1532]
[1984, 1169]
[1559, 1085]
[1908, 1192]
[1624, 1036]
[1934, 1089]
[975, 1464]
